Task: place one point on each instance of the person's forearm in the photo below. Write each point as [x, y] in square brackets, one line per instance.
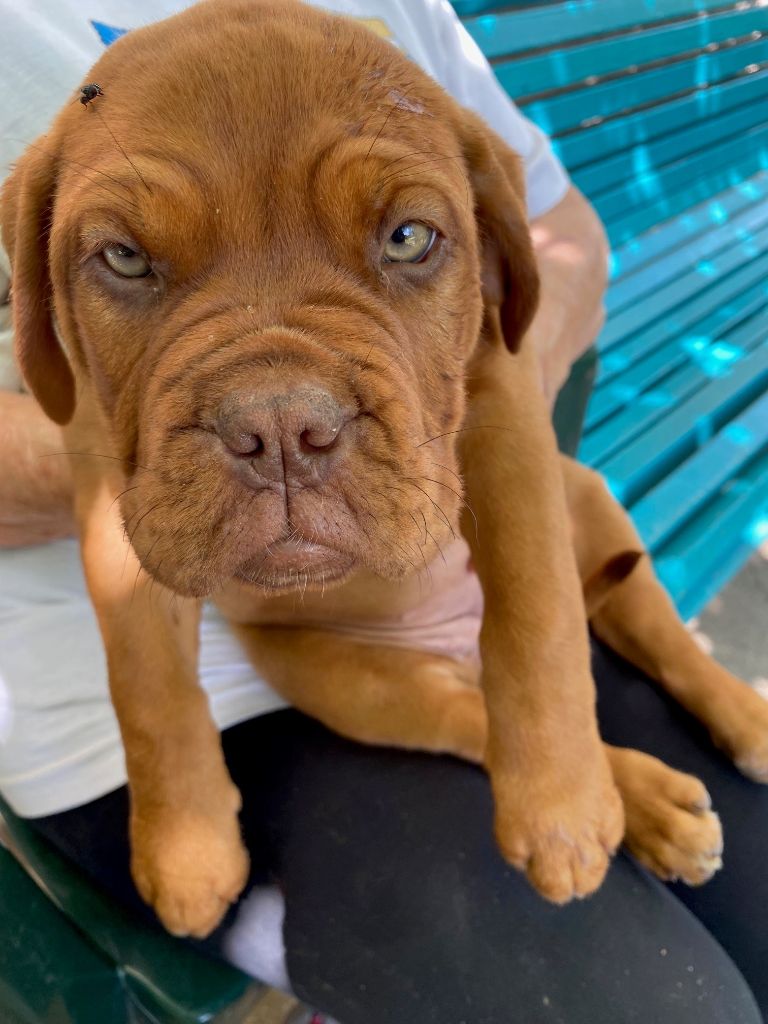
[35, 483]
[572, 257]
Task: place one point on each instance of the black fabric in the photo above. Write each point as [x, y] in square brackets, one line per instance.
[633, 712]
[400, 910]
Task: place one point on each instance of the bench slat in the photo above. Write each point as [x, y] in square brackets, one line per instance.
[669, 234]
[655, 186]
[648, 371]
[645, 461]
[512, 31]
[660, 359]
[468, 8]
[721, 569]
[705, 311]
[638, 415]
[746, 161]
[658, 513]
[666, 269]
[571, 109]
[713, 545]
[566, 66]
[639, 162]
[586, 146]
[647, 410]
[635, 317]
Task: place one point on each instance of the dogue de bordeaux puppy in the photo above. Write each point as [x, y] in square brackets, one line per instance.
[282, 303]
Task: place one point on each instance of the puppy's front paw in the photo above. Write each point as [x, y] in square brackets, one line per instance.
[189, 867]
[670, 826]
[561, 831]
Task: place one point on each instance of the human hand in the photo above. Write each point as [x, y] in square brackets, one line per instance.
[35, 479]
[572, 258]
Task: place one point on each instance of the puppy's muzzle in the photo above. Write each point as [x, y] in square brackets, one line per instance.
[295, 438]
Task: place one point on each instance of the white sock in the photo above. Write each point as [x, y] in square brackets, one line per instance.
[255, 942]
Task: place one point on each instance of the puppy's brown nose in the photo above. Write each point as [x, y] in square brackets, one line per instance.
[294, 437]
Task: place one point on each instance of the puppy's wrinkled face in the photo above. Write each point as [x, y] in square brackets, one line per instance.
[270, 274]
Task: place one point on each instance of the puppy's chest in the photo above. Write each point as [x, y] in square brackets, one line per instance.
[438, 610]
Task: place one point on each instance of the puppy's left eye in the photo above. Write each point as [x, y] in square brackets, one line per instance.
[126, 261]
[410, 243]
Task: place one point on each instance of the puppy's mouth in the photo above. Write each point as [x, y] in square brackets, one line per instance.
[295, 564]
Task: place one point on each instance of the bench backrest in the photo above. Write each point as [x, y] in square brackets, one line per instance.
[653, 105]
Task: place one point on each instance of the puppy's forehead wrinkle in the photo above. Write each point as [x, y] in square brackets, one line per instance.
[183, 170]
[266, 150]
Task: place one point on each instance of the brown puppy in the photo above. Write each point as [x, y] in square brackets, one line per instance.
[284, 337]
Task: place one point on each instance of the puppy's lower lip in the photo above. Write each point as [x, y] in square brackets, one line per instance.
[291, 547]
[287, 558]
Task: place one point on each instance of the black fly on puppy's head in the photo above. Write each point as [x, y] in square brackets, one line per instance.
[89, 92]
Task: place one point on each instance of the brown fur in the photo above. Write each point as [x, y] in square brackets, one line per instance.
[277, 148]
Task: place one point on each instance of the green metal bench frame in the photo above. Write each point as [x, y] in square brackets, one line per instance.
[69, 955]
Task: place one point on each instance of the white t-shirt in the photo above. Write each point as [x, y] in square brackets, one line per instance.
[59, 741]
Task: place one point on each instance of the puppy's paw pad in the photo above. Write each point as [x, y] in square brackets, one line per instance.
[677, 866]
[568, 871]
[561, 827]
[754, 763]
[563, 858]
[741, 728]
[183, 917]
[191, 904]
[190, 872]
[686, 792]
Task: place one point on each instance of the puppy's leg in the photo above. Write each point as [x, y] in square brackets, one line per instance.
[557, 808]
[393, 697]
[386, 696]
[186, 855]
[639, 621]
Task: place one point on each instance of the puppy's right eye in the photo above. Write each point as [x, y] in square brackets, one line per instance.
[126, 261]
[410, 243]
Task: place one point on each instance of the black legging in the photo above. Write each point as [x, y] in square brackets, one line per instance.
[399, 910]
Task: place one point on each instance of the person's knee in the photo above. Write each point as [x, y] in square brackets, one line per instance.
[469, 934]
[399, 904]
[713, 993]
[647, 958]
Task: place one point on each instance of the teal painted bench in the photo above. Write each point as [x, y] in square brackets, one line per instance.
[659, 109]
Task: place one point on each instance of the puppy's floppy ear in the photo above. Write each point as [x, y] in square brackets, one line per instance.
[26, 205]
[598, 587]
[510, 277]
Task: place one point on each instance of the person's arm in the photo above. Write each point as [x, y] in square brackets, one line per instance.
[572, 257]
[35, 484]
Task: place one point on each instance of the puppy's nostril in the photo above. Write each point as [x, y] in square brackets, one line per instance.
[316, 439]
[256, 446]
[247, 445]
